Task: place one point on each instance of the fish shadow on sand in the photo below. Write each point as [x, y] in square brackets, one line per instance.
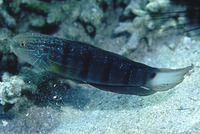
[87, 97]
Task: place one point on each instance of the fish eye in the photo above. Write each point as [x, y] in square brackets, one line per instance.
[22, 44]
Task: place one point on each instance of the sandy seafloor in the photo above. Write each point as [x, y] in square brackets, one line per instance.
[100, 112]
[173, 111]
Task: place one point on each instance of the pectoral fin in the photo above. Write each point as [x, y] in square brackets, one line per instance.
[63, 70]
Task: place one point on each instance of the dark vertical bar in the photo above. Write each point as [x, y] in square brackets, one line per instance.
[143, 76]
[105, 78]
[66, 55]
[128, 75]
[86, 64]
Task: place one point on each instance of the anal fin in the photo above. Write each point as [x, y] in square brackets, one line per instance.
[132, 90]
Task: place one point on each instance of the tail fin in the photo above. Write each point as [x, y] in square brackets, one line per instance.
[167, 78]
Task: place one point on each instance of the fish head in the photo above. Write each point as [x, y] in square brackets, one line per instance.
[28, 48]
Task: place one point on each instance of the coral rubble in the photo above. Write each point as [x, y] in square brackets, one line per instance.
[10, 89]
[150, 19]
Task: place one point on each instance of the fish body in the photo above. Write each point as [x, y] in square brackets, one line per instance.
[103, 69]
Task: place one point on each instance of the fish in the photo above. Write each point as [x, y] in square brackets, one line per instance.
[88, 64]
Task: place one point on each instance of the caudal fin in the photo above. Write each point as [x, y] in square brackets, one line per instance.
[167, 78]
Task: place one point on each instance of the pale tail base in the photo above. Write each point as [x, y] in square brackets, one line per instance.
[167, 78]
